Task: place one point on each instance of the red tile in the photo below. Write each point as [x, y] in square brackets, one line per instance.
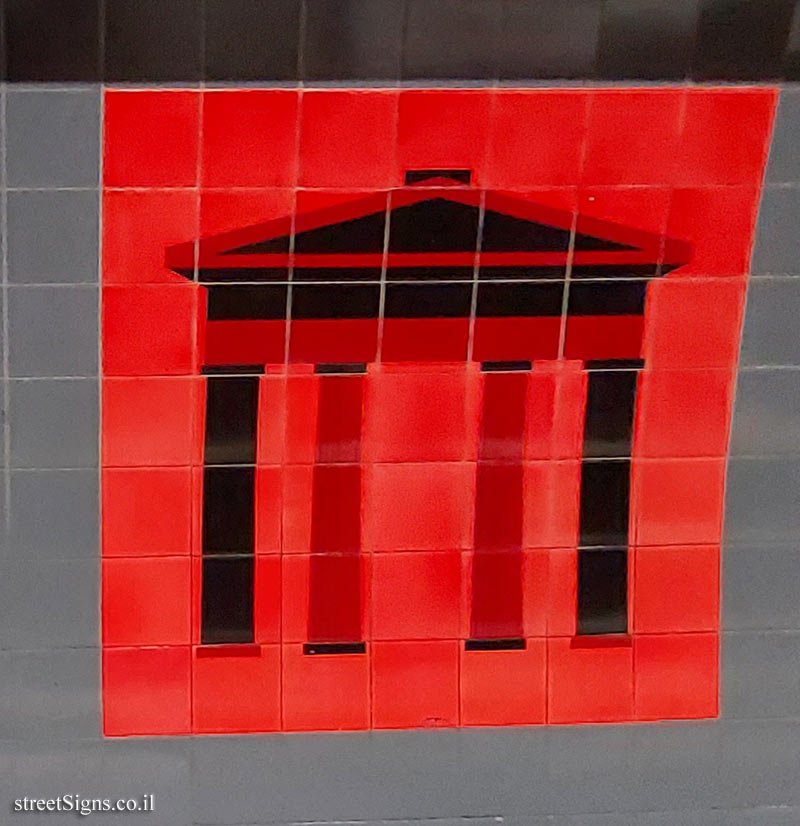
[512, 339]
[348, 138]
[415, 684]
[421, 339]
[676, 589]
[676, 676]
[683, 413]
[630, 207]
[151, 421]
[237, 693]
[147, 512]
[536, 138]
[250, 137]
[151, 138]
[619, 150]
[146, 601]
[146, 691]
[719, 222]
[562, 592]
[589, 684]
[604, 337]
[691, 323]
[138, 226]
[271, 425]
[551, 491]
[233, 210]
[418, 506]
[494, 604]
[726, 136]
[302, 403]
[269, 509]
[421, 414]
[298, 485]
[416, 596]
[335, 341]
[504, 688]
[336, 607]
[555, 410]
[149, 330]
[535, 592]
[677, 502]
[323, 692]
[244, 342]
[296, 581]
[444, 129]
[267, 599]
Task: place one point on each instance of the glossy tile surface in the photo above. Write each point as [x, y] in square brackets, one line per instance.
[417, 423]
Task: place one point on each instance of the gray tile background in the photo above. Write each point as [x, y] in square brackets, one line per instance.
[739, 771]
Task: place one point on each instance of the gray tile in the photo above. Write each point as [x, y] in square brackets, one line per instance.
[766, 417]
[52, 237]
[587, 765]
[777, 246]
[54, 513]
[54, 423]
[53, 138]
[761, 674]
[677, 766]
[759, 588]
[49, 694]
[49, 604]
[761, 501]
[784, 153]
[759, 764]
[766, 815]
[770, 323]
[52, 331]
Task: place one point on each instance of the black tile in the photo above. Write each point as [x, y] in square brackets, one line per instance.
[520, 299]
[742, 39]
[153, 40]
[549, 38]
[430, 274]
[522, 273]
[509, 644]
[604, 503]
[418, 176]
[252, 39]
[234, 301]
[434, 225]
[335, 648]
[647, 38]
[607, 297]
[452, 38]
[336, 274]
[281, 244]
[608, 426]
[231, 415]
[428, 300]
[340, 368]
[505, 233]
[359, 39]
[602, 592]
[56, 40]
[364, 234]
[227, 603]
[225, 275]
[335, 301]
[228, 494]
[504, 366]
[232, 369]
[616, 271]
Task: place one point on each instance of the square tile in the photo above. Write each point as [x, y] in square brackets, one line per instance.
[777, 247]
[49, 695]
[64, 611]
[767, 417]
[451, 38]
[53, 138]
[54, 423]
[768, 335]
[53, 237]
[784, 157]
[549, 39]
[53, 514]
[153, 40]
[52, 40]
[758, 588]
[52, 331]
[359, 39]
[248, 40]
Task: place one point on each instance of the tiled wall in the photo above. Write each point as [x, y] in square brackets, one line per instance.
[739, 769]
